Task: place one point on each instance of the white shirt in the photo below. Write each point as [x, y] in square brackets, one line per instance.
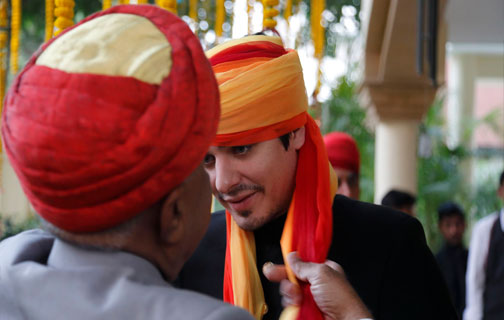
[476, 265]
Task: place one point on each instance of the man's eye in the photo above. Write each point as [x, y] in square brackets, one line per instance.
[209, 159]
[241, 149]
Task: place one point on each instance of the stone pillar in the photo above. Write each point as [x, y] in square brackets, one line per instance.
[395, 157]
[400, 108]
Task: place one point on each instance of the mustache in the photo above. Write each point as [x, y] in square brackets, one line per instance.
[239, 188]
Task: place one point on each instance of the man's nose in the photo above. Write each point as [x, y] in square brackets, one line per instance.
[226, 175]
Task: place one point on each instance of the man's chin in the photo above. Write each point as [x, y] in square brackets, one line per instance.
[249, 222]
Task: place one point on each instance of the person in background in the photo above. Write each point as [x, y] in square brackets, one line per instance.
[452, 257]
[344, 157]
[400, 200]
[108, 142]
[485, 269]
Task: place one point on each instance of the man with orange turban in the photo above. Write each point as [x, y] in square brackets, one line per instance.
[345, 159]
[106, 128]
[269, 169]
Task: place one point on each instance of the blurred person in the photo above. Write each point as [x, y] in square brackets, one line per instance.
[345, 159]
[269, 169]
[452, 257]
[400, 200]
[485, 268]
[106, 128]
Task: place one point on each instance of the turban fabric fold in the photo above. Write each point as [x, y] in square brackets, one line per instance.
[110, 116]
[342, 151]
[263, 97]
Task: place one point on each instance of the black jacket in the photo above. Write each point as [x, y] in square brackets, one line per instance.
[383, 253]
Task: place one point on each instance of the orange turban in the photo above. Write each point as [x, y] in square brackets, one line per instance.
[110, 116]
[263, 97]
[342, 151]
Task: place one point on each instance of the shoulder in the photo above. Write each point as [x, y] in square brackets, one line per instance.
[485, 224]
[185, 304]
[31, 245]
[372, 219]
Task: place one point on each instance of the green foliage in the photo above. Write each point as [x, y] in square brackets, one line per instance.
[9, 228]
[442, 175]
[343, 113]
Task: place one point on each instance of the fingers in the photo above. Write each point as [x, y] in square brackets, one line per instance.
[304, 271]
[274, 272]
[333, 265]
[291, 293]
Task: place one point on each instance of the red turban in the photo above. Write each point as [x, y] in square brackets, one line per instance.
[92, 150]
[342, 151]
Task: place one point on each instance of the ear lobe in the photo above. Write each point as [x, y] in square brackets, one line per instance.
[298, 138]
[171, 221]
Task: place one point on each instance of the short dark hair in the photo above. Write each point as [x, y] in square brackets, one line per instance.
[398, 199]
[285, 139]
[449, 209]
[501, 180]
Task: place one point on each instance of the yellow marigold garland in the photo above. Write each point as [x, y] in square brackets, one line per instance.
[269, 13]
[193, 9]
[124, 2]
[49, 17]
[170, 5]
[288, 10]
[220, 15]
[64, 13]
[15, 27]
[317, 30]
[142, 1]
[318, 36]
[106, 4]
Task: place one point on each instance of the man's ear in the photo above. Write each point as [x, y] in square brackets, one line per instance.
[298, 138]
[171, 220]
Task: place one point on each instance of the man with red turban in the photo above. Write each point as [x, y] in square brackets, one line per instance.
[106, 128]
[345, 159]
[269, 168]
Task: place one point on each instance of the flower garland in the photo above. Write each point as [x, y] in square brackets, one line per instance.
[269, 13]
[170, 5]
[106, 4]
[124, 2]
[49, 17]
[220, 15]
[64, 13]
[142, 1]
[15, 27]
[193, 10]
[318, 35]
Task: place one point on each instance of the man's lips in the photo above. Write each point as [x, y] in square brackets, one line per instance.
[241, 202]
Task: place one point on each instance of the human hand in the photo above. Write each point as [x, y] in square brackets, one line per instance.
[332, 293]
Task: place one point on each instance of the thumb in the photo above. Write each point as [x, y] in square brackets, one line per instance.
[304, 271]
[274, 272]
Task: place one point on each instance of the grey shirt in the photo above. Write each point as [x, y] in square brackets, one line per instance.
[45, 278]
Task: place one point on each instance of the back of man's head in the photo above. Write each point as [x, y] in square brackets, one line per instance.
[109, 118]
[399, 200]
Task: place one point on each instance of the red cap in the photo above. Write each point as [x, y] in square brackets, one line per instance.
[342, 151]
